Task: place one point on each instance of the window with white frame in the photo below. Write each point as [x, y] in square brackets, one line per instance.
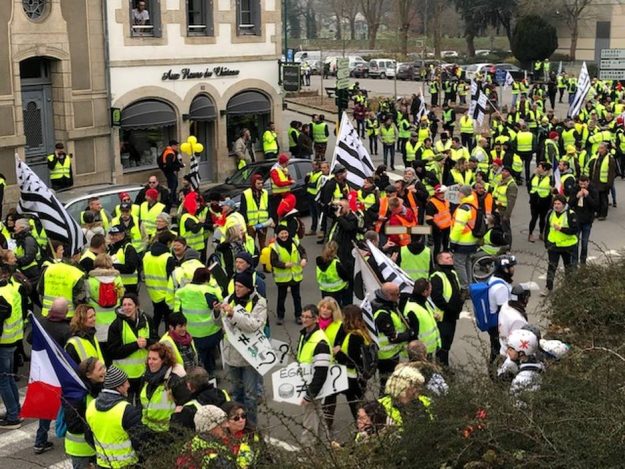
[145, 18]
[248, 17]
[200, 18]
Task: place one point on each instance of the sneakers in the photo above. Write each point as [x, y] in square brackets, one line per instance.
[312, 233]
[531, 239]
[47, 446]
[279, 321]
[10, 424]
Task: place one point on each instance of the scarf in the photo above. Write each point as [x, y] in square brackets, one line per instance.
[285, 244]
[324, 323]
[153, 380]
[184, 340]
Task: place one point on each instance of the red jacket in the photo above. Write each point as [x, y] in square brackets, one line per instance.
[401, 219]
[276, 179]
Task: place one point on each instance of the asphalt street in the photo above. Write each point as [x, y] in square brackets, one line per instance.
[469, 350]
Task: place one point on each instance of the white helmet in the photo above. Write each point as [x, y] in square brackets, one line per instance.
[524, 341]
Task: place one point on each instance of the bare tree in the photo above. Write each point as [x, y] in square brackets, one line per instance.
[310, 19]
[435, 12]
[573, 11]
[406, 11]
[338, 8]
[351, 8]
[372, 11]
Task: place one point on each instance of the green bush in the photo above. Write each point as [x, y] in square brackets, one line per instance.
[533, 39]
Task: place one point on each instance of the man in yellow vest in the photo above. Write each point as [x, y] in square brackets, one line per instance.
[11, 333]
[505, 195]
[388, 135]
[131, 225]
[560, 238]
[281, 183]
[313, 348]
[422, 315]
[62, 279]
[125, 258]
[540, 187]
[415, 259]
[190, 226]
[410, 149]
[602, 175]
[114, 425]
[254, 208]
[243, 149]
[462, 241]
[393, 331]
[270, 142]
[99, 214]
[320, 135]
[97, 245]
[525, 146]
[158, 264]
[150, 209]
[170, 163]
[60, 166]
[467, 131]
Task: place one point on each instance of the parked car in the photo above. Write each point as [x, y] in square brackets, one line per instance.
[241, 180]
[382, 68]
[407, 71]
[361, 70]
[449, 53]
[516, 72]
[76, 199]
[482, 52]
[473, 69]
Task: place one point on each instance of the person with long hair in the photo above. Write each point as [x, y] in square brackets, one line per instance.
[332, 278]
[242, 434]
[128, 339]
[330, 318]
[371, 420]
[162, 375]
[92, 372]
[83, 343]
[349, 349]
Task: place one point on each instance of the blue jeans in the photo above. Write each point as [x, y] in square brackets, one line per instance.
[82, 462]
[42, 432]
[389, 150]
[8, 387]
[581, 252]
[244, 388]
[207, 349]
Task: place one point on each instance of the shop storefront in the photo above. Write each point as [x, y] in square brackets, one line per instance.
[248, 110]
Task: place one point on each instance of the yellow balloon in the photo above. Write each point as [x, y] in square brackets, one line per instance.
[198, 148]
[192, 140]
[186, 148]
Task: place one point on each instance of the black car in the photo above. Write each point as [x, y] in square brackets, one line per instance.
[407, 71]
[517, 73]
[241, 180]
[361, 70]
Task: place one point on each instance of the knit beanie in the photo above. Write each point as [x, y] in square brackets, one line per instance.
[208, 417]
[246, 279]
[114, 377]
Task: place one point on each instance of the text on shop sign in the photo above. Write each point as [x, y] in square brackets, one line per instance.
[188, 74]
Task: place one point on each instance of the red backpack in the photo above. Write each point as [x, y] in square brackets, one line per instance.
[107, 295]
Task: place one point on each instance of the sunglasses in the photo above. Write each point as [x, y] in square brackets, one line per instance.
[238, 417]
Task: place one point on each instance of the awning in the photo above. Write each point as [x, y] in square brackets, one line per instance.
[248, 102]
[202, 109]
[148, 114]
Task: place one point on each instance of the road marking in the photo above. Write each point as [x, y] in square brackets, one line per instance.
[542, 277]
[591, 258]
[466, 315]
[13, 441]
[65, 464]
[612, 252]
[281, 444]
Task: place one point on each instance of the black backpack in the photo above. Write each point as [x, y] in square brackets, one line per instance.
[480, 228]
[369, 361]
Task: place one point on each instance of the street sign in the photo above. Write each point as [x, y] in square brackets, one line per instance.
[611, 74]
[500, 76]
[290, 78]
[613, 53]
[612, 64]
[342, 73]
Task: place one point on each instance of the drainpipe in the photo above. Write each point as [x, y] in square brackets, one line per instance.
[107, 81]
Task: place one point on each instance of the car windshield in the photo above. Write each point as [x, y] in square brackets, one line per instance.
[243, 176]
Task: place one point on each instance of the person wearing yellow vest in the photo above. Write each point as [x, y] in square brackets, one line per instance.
[245, 310]
[158, 265]
[415, 259]
[27, 250]
[460, 174]
[149, 210]
[560, 238]
[84, 342]
[288, 259]
[393, 331]
[195, 301]
[92, 372]
[125, 258]
[402, 399]
[602, 175]
[540, 189]
[105, 289]
[462, 241]
[313, 349]
[295, 127]
[129, 336]
[62, 279]
[254, 208]
[551, 150]
[163, 379]
[170, 163]
[11, 333]
[188, 262]
[320, 135]
[422, 315]
[449, 119]
[388, 135]
[438, 216]
[60, 167]
[525, 146]
[567, 178]
[372, 124]
[130, 224]
[281, 183]
[180, 341]
[411, 146]
[584, 202]
[124, 198]
[243, 149]
[448, 299]
[97, 246]
[270, 142]
[99, 214]
[190, 226]
[505, 195]
[332, 277]
[467, 131]
[114, 423]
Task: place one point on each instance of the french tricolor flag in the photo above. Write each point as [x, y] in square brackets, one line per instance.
[52, 376]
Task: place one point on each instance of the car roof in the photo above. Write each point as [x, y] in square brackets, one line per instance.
[77, 193]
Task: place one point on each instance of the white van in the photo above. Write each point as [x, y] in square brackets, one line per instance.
[382, 68]
[307, 55]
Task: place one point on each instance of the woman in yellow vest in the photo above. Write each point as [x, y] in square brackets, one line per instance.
[560, 238]
[422, 315]
[288, 259]
[91, 371]
[180, 342]
[105, 287]
[129, 337]
[332, 278]
[371, 421]
[349, 348]
[242, 435]
[84, 342]
[163, 378]
[402, 393]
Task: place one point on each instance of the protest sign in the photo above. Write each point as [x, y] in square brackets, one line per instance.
[289, 383]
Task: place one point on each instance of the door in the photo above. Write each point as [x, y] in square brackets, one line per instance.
[38, 127]
[204, 131]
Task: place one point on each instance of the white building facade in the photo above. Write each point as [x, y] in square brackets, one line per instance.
[207, 68]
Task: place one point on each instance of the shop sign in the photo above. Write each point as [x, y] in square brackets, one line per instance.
[188, 74]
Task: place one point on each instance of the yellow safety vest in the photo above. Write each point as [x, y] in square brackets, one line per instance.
[270, 142]
[75, 443]
[368, 201]
[257, 214]
[148, 216]
[524, 141]
[156, 411]
[411, 150]
[85, 349]
[294, 273]
[329, 280]
[167, 340]
[319, 132]
[306, 350]
[61, 170]
[558, 238]
[500, 192]
[416, 266]
[120, 258]
[388, 135]
[541, 185]
[13, 326]
[136, 238]
[388, 350]
[190, 300]
[135, 211]
[112, 442]
[60, 280]
[133, 364]
[466, 125]
[283, 177]
[428, 329]
[194, 240]
[155, 275]
[103, 218]
[391, 411]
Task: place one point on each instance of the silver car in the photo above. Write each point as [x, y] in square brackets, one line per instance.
[75, 200]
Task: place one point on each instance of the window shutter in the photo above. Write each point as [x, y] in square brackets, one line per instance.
[155, 17]
[210, 27]
[256, 16]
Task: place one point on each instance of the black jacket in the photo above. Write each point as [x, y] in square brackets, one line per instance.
[115, 344]
[158, 249]
[586, 212]
[320, 372]
[345, 235]
[384, 322]
[131, 258]
[75, 409]
[210, 395]
[452, 307]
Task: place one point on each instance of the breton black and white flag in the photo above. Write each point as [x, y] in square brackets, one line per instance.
[475, 94]
[390, 271]
[481, 105]
[422, 109]
[352, 153]
[365, 285]
[583, 86]
[194, 173]
[509, 80]
[37, 199]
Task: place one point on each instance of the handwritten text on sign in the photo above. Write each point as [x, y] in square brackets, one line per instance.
[289, 384]
[254, 347]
